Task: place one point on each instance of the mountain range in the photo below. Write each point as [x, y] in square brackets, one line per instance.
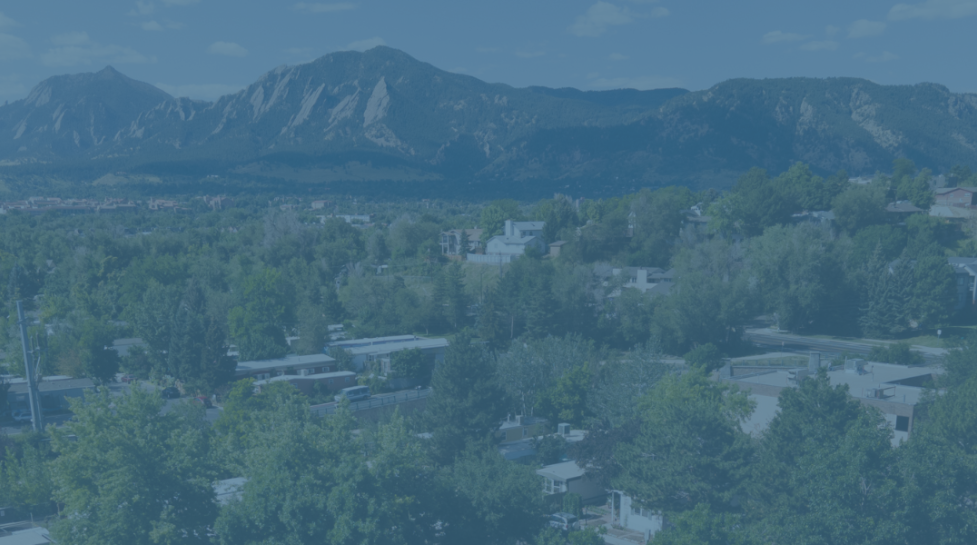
[357, 121]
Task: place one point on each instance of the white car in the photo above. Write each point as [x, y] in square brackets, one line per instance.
[21, 416]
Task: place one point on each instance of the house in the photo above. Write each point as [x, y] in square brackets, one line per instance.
[517, 237]
[451, 241]
[379, 350]
[518, 436]
[568, 477]
[289, 365]
[966, 274]
[520, 427]
[306, 384]
[55, 392]
[895, 390]
[318, 205]
[953, 214]
[955, 196]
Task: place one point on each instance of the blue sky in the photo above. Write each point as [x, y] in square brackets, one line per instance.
[205, 48]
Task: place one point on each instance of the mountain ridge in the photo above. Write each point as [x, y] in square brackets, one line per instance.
[382, 115]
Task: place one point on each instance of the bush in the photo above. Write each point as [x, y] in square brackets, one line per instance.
[898, 353]
[572, 504]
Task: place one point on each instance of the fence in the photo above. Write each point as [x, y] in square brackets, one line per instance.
[490, 259]
[373, 402]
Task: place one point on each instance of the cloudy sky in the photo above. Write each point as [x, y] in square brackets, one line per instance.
[205, 48]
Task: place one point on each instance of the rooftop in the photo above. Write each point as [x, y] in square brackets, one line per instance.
[317, 376]
[19, 386]
[564, 471]
[390, 347]
[229, 489]
[283, 363]
[353, 343]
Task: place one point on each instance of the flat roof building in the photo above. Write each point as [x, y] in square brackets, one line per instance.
[289, 365]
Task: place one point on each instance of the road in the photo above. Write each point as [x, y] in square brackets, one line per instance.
[797, 343]
[378, 400]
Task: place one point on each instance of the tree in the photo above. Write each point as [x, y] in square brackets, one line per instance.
[699, 526]
[759, 202]
[489, 500]
[307, 483]
[916, 190]
[256, 324]
[132, 475]
[858, 207]
[885, 312]
[98, 360]
[494, 216]
[706, 357]
[25, 480]
[689, 450]
[566, 400]
[410, 364]
[934, 291]
[623, 383]
[467, 405]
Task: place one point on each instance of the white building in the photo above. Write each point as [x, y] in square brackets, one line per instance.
[627, 513]
[517, 237]
[568, 477]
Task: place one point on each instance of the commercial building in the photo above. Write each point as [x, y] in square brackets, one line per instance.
[376, 352]
[895, 390]
[55, 392]
[517, 237]
[289, 365]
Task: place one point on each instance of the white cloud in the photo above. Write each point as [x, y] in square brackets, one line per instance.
[884, 57]
[831, 31]
[640, 82]
[863, 28]
[13, 48]
[324, 8]
[76, 48]
[7, 21]
[598, 17]
[826, 45]
[179, 2]
[530, 54]
[228, 49]
[617, 57]
[202, 91]
[934, 9]
[363, 45]
[777, 36]
[152, 26]
[143, 8]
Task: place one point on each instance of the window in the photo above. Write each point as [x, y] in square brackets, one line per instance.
[902, 423]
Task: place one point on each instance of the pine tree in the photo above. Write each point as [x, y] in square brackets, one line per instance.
[467, 404]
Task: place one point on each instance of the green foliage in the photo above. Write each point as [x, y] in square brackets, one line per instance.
[25, 477]
[858, 207]
[550, 449]
[411, 364]
[689, 449]
[590, 536]
[898, 353]
[558, 213]
[98, 361]
[132, 475]
[494, 216]
[758, 202]
[699, 526]
[566, 400]
[256, 323]
[706, 357]
[467, 405]
[572, 505]
[488, 500]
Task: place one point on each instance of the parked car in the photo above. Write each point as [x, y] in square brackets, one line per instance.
[128, 379]
[353, 393]
[171, 393]
[203, 400]
[21, 415]
[563, 521]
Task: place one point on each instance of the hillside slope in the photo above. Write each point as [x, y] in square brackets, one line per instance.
[384, 116]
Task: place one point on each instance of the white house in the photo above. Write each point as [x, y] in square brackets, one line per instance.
[513, 242]
[627, 513]
[568, 477]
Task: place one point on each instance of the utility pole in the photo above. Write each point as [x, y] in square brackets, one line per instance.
[33, 395]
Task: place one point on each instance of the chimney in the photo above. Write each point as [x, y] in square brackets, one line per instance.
[508, 228]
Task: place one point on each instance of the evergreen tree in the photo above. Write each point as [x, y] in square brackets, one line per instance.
[885, 313]
[468, 403]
